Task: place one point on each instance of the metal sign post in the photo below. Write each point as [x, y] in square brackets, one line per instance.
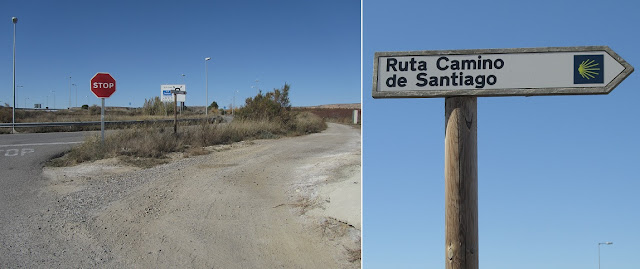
[102, 121]
[460, 76]
[103, 85]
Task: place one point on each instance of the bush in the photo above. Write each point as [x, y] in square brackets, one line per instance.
[5, 114]
[306, 123]
[272, 106]
[156, 107]
[86, 107]
[95, 110]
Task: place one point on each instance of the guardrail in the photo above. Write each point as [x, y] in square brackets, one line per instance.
[87, 123]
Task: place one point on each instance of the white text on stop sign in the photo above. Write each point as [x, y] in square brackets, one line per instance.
[102, 85]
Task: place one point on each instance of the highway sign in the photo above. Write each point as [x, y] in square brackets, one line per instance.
[167, 96]
[103, 85]
[498, 72]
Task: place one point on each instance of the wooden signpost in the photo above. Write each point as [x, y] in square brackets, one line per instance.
[460, 76]
[176, 92]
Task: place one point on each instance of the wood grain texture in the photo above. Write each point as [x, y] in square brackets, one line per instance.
[461, 183]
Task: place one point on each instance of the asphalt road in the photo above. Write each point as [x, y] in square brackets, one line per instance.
[22, 203]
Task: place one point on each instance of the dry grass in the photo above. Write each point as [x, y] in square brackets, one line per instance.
[337, 115]
[147, 146]
[81, 115]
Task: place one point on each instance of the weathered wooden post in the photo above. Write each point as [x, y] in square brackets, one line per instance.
[461, 182]
[175, 93]
[175, 112]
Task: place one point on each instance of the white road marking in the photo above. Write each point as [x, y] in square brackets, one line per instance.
[40, 144]
[14, 152]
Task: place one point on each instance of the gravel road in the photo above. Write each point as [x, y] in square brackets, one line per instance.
[286, 203]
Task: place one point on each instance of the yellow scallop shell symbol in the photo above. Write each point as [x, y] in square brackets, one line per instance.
[587, 69]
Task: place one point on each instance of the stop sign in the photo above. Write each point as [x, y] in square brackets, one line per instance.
[103, 85]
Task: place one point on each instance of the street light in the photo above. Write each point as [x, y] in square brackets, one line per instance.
[76, 93]
[605, 243]
[13, 120]
[233, 108]
[206, 71]
[18, 97]
[69, 92]
[54, 99]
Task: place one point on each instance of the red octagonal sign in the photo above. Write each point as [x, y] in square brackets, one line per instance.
[103, 85]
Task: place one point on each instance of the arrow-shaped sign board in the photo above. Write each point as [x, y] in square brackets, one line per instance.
[498, 72]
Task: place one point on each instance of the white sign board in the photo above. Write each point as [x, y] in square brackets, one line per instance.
[167, 96]
[498, 72]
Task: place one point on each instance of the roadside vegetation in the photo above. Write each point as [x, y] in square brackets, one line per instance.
[264, 116]
[88, 113]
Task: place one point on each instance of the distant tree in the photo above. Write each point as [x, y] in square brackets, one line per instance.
[85, 107]
[213, 105]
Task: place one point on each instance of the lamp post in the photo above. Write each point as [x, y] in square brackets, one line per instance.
[13, 120]
[233, 107]
[17, 97]
[76, 93]
[605, 243]
[54, 99]
[69, 92]
[206, 72]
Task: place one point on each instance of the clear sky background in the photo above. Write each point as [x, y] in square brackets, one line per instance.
[312, 45]
[556, 174]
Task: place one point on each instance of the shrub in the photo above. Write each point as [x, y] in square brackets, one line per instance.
[5, 114]
[272, 106]
[306, 123]
[156, 107]
[95, 110]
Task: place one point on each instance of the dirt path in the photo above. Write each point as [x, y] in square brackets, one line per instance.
[286, 203]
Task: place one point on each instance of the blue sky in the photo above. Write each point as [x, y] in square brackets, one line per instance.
[556, 174]
[312, 45]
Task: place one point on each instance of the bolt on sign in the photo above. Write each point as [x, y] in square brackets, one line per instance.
[498, 72]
